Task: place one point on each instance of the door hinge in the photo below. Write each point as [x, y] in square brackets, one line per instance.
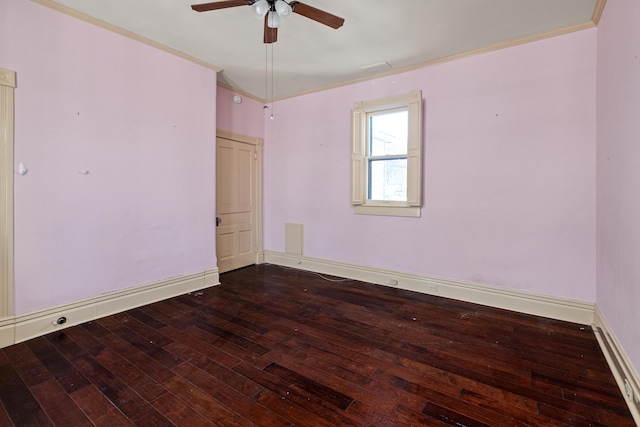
[255, 155]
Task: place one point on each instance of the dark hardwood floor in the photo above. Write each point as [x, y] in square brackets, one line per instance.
[280, 347]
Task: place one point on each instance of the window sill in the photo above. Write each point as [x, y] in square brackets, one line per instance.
[405, 211]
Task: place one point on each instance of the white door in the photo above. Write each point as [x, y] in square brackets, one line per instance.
[236, 243]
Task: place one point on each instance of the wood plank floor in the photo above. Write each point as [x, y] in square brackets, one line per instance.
[281, 347]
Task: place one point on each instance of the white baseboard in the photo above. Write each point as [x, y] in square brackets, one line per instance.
[26, 326]
[619, 363]
[523, 302]
[7, 332]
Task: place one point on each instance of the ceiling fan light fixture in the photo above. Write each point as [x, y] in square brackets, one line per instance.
[283, 8]
[273, 21]
[261, 8]
[272, 12]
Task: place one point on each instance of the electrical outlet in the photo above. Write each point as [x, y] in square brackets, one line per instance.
[432, 287]
[393, 282]
[628, 390]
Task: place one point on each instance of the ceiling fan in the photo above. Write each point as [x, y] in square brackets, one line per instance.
[273, 11]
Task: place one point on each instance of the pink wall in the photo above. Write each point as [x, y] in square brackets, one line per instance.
[246, 118]
[618, 171]
[142, 122]
[509, 172]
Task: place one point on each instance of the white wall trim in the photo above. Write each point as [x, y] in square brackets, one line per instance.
[523, 302]
[619, 363]
[7, 89]
[7, 332]
[26, 326]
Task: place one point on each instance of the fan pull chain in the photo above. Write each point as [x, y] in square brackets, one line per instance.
[272, 80]
[266, 76]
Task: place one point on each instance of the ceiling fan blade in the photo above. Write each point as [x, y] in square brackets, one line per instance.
[219, 5]
[317, 15]
[270, 34]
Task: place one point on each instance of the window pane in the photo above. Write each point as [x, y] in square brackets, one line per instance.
[388, 180]
[388, 133]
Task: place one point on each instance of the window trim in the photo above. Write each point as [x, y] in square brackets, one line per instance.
[359, 167]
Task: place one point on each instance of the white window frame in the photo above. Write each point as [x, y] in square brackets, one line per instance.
[412, 101]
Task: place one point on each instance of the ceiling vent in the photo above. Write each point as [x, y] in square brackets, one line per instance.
[376, 68]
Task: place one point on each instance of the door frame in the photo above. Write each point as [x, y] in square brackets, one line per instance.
[7, 86]
[258, 144]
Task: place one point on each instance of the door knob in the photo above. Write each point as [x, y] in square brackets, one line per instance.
[218, 221]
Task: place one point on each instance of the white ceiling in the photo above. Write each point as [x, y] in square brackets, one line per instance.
[309, 56]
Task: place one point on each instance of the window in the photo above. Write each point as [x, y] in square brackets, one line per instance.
[386, 156]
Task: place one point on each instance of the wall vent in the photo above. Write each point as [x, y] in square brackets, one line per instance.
[293, 238]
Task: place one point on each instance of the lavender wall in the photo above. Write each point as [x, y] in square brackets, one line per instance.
[509, 165]
[618, 172]
[142, 123]
[509, 172]
[246, 118]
